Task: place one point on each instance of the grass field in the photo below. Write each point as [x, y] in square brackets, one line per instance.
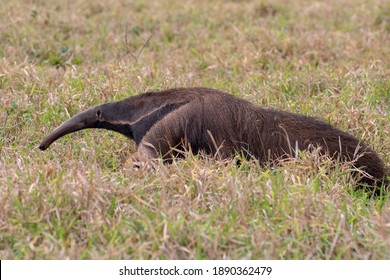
[81, 199]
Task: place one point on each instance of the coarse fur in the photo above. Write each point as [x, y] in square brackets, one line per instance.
[213, 122]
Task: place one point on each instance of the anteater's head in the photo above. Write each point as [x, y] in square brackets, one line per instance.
[107, 116]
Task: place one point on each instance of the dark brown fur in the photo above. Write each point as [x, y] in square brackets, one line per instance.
[210, 121]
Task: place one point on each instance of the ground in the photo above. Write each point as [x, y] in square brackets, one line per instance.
[81, 199]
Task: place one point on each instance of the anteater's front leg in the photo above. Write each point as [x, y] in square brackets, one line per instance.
[164, 140]
[148, 153]
[146, 157]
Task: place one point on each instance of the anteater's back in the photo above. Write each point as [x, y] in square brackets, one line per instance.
[266, 134]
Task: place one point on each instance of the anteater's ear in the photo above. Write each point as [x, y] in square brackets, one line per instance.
[99, 114]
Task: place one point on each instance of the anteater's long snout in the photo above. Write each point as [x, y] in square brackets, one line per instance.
[81, 121]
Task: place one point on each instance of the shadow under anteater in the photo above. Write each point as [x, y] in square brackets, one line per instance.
[216, 123]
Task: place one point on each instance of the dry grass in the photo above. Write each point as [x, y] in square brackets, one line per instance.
[81, 198]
